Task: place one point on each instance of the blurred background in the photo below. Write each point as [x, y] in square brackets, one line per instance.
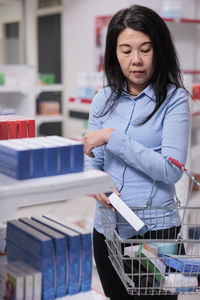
[53, 51]
[52, 64]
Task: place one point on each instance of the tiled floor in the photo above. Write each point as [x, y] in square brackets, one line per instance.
[80, 209]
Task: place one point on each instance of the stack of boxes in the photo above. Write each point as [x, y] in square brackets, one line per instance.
[13, 127]
[40, 156]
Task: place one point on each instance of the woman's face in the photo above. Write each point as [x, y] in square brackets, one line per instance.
[135, 56]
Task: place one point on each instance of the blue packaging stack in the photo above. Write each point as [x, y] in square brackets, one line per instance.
[59, 251]
[85, 251]
[34, 248]
[73, 253]
[40, 156]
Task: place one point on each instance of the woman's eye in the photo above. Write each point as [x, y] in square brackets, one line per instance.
[146, 50]
[126, 52]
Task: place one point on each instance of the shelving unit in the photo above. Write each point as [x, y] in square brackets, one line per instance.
[91, 295]
[18, 193]
[49, 88]
[21, 90]
[182, 20]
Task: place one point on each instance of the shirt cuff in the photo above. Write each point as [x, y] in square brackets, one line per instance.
[115, 142]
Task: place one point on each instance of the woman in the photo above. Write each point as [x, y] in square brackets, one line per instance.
[136, 123]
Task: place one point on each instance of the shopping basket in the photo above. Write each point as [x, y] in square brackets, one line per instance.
[160, 262]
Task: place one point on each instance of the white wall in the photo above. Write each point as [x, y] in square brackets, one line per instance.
[79, 35]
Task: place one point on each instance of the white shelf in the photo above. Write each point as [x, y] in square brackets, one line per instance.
[196, 121]
[6, 89]
[81, 107]
[49, 88]
[18, 193]
[39, 119]
[91, 295]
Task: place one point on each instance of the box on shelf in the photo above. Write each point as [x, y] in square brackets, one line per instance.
[73, 253]
[12, 127]
[2, 78]
[40, 156]
[85, 250]
[47, 78]
[48, 108]
[59, 253]
[11, 283]
[196, 91]
[34, 248]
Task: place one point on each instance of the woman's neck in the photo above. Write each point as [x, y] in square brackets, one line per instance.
[135, 91]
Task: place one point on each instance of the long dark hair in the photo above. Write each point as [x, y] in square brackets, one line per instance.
[166, 63]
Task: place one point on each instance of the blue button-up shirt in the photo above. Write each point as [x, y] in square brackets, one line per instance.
[136, 156]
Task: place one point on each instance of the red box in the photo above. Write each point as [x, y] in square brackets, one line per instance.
[196, 91]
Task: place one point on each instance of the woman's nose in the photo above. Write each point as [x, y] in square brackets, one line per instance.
[135, 58]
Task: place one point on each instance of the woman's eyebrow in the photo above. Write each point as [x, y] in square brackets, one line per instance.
[128, 45]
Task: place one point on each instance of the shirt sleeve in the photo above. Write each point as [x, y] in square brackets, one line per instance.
[174, 143]
[94, 124]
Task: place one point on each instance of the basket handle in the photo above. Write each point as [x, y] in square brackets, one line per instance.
[177, 163]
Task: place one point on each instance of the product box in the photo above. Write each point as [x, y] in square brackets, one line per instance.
[34, 248]
[11, 283]
[151, 261]
[72, 255]
[28, 279]
[127, 213]
[50, 155]
[37, 159]
[196, 91]
[13, 127]
[59, 254]
[85, 251]
[63, 154]
[48, 108]
[77, 153]
[178, 283]
[2, 238]
[14, 160]
[37, 279]
[181, 263]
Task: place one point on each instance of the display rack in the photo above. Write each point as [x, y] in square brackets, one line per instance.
[18, 193]
[182, 20]
[49, 88]
[21, 90]
[91, 295]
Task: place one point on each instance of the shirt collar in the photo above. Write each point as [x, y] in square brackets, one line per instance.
[148, 91]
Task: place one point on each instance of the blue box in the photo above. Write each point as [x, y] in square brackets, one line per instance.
[35, 248]
[15, 160]
[73, 253]
[86, 251]
[37, 156]
[77, 153]
[59, 249]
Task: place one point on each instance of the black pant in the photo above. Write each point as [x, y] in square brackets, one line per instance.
[112, 284]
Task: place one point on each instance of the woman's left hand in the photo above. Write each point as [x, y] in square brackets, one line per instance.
[93, 139]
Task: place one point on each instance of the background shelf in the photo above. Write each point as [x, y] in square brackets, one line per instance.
[182, 20]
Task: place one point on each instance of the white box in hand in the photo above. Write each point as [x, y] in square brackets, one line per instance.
[126, 212]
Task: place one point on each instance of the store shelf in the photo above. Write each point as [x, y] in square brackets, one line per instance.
[182, 20]
[5, 89]
[91, 295]
[39, 119]
[80, 107]
[49, 88]
[18, 193]
[196, 121]
[192, 72]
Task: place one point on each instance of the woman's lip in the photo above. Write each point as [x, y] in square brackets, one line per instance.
[137, 71]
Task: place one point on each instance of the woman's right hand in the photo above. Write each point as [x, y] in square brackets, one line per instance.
[103, 199]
